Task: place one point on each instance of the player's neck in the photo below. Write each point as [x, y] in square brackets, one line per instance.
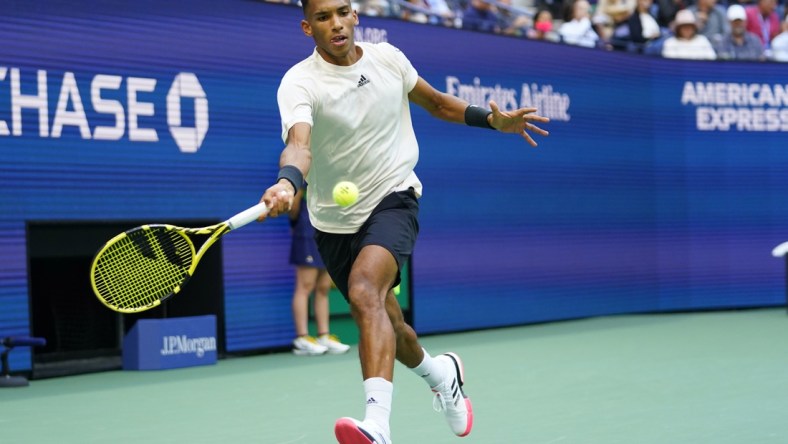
[352, 56]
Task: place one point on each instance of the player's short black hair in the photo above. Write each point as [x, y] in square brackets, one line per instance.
[305, 4]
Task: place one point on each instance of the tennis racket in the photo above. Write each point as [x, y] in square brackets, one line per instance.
[139, 269]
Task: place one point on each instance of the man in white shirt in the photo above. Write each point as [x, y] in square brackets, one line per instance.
[346, 116]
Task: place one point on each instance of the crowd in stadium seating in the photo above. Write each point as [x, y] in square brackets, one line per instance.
[688, 29]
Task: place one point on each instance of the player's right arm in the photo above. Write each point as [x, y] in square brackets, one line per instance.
[297, 153]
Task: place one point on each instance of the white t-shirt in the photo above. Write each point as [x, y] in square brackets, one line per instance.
[649, 25]
[361, 130]
[780, 47]
[698, 48]
[579, 32]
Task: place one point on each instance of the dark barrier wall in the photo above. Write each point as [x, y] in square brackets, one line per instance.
[660, 188]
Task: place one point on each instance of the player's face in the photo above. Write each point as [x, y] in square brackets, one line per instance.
[331, 24]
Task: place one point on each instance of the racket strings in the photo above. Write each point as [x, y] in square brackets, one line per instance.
[142, 267]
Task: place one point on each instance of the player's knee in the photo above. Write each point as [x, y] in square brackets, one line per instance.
[364, 297]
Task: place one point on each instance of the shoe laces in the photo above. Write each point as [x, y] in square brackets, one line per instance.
[310, 339]
[442, 393]
[331, 337]
[438, 402]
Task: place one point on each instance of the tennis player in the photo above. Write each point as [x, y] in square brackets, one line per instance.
[345, 116]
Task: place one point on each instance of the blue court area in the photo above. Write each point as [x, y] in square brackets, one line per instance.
[716, 377]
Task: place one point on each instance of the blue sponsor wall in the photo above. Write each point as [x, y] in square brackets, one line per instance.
[148, 110]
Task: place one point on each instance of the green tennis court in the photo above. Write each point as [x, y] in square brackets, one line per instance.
[718, 377]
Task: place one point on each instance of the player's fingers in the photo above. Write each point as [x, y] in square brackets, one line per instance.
[535, 118]
[537, 130]
[278, 205]
[267, 199]
[523, 112]
[262, 216]
[274, 203]
[529, 139]
[494, 107]
[286, 198]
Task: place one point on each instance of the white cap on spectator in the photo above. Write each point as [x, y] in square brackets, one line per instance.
[736, 12]
[685, 17]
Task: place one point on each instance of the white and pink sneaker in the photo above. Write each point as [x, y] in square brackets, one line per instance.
[451, 399]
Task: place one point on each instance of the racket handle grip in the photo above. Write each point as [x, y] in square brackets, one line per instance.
[247, 216]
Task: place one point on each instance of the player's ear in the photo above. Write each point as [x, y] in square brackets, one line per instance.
[307, 28]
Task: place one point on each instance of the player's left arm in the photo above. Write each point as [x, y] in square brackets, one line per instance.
[452, 109]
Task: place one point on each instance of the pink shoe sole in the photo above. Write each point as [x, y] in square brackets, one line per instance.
[461, 370]
[470, 418]
[347, 432]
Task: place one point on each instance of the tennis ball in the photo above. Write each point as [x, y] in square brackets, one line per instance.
[345, 193]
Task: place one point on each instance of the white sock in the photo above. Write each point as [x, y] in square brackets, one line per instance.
[431, 370]
[378, 392]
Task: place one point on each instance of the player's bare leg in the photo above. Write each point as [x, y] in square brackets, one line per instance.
[371, 277]
[444, 374]
[409, 351]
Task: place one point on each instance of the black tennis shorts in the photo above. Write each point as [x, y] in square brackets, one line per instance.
[392, 225]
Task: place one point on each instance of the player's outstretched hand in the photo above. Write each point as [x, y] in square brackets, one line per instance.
[278, 198]
[519, 121]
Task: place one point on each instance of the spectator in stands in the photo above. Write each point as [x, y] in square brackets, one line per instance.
[711, 19]
[512, 21]
[780, 44]
[442, 13]
[556, 7]
[666, 11]
[603, 26]
[543, 27]
[611, 13]
[480, 16]
[416, 14]
[375, 8]
[429, 11]
[578, 30]
[763, 21]
[640, 29]
[686, 42]
[616, 10]
[738, 43]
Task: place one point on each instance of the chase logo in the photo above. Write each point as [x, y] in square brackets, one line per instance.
[188, 139]
[111, 108]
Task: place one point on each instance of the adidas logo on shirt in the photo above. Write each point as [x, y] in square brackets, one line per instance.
[362, 81]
